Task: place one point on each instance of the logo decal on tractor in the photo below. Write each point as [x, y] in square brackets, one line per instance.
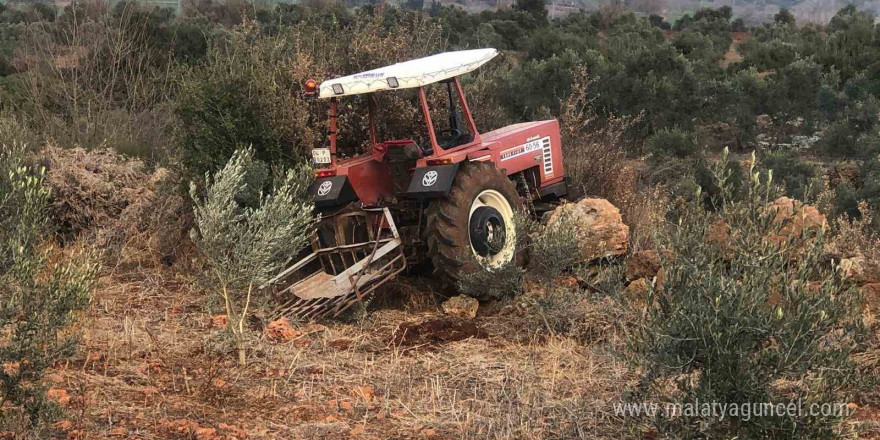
[430, 178]
[325, 188]
[528, 147]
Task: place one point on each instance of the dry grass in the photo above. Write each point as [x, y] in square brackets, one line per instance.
[144, 372]
[857, 236]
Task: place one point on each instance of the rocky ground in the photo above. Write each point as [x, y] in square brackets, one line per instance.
[156, 363]
[150, 369]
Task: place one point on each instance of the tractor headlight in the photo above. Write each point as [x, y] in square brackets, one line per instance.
[337, 89]
[392, 82]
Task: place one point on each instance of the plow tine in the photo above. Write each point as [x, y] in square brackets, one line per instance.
[329, 281]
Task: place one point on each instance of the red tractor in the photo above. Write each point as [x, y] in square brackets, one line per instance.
[448, 199]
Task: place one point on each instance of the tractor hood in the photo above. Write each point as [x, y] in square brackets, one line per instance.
[409, 74]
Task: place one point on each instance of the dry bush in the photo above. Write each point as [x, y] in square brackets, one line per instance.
[112, 201]
[594, 146]
[94, 79]
[642, 207]
[857, 236]
[854, 238]
[90, 189]
[596, 164]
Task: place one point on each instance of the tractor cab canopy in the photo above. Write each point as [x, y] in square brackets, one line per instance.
[408, 74]
[415, 74]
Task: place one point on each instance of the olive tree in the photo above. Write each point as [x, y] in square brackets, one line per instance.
[245, 245]
[38, 298]
[750, 313]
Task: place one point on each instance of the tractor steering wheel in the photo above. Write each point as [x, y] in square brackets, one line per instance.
[452, 131]
[452, 139]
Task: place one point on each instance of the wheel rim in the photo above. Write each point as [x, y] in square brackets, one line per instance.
[503, 253]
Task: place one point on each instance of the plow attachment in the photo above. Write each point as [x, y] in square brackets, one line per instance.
[353, 253]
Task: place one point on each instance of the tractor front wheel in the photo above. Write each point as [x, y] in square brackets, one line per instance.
[475, 224]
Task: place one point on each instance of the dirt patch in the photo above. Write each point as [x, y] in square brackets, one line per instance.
[436, 332]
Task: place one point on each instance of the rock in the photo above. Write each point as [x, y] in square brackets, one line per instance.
[599, 227]
[203, 433]
[795, 218]
[461, 306]
[368, 394]
[342, 343]
[280, 330]
[315, 328]
[636, 291]
[219, 321]
[844, 172]
[63, 425]
[58, 395]
[642, 264]
[11, 368]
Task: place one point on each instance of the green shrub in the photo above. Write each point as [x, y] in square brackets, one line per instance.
[554, 249]
[240, 95]
[750, 321]
[246, 246]
[673, 142]
[799, 178]
[39, 298]
[502, 282]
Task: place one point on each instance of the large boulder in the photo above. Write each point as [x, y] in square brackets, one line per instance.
[637, 291]
[598, 226]
[794, 218]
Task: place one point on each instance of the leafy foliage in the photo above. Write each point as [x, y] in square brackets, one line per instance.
[39, 298]
[246, 246]
[554, 249]
[753, 317]
[675, 142]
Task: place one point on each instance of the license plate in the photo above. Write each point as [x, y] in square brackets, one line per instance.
[321, 155]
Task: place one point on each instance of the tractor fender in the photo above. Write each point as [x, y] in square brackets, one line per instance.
[331, 191]
[433, 181]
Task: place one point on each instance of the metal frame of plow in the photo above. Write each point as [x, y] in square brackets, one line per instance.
[337, 285]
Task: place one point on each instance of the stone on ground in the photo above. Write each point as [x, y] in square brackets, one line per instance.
[599, 228]
[461, 306]
[642, 264]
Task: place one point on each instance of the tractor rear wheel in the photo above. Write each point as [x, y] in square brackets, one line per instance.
[474, 225]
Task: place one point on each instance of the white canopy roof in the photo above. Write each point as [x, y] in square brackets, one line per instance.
[409, 74]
